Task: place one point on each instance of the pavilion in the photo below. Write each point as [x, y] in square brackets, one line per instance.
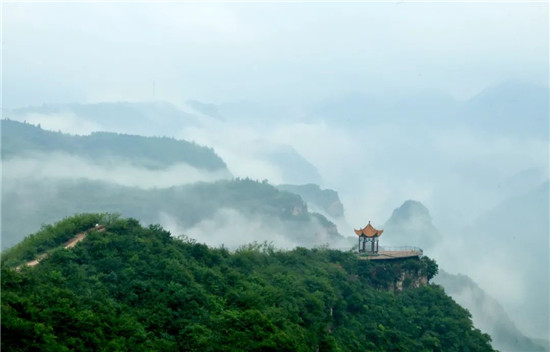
[368, 235]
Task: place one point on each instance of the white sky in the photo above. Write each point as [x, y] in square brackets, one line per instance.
[296, 52]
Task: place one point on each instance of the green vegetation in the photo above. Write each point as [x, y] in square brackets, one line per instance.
[132, 288]
[20, 139]
[52, 237]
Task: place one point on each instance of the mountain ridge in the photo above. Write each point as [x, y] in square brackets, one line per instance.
[22, 139]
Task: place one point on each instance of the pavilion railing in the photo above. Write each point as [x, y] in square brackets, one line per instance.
[402, 248]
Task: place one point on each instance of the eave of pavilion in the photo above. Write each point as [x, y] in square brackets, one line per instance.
[368, 231]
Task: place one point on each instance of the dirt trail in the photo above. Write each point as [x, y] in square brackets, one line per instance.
[73, 241]
[69, 244]
[37, 260]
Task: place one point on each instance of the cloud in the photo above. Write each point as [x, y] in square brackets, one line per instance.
[64, 166]
[233, 229]
[67, 122]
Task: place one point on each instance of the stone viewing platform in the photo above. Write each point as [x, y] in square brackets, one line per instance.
[368, 246]
[389, 253]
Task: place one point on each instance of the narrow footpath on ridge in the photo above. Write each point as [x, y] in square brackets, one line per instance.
[69, 244]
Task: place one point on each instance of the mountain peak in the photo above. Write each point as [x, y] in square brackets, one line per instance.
[411, 225]
[411, 208]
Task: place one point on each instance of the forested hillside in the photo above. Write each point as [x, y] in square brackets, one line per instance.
[131, 288]
[21, 139]
[28, 204]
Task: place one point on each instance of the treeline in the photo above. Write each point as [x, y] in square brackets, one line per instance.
[20, 139]
[132, 288]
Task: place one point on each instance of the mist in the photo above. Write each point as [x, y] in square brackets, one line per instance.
[232, 229]
[65, 166]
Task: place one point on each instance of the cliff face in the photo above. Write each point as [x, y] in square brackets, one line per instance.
[410, 280]
[400, 274]
[325, 200]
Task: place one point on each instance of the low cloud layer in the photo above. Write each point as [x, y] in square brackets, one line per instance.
[233, 229]
[67, 122]
[230, 228]
[65, 166]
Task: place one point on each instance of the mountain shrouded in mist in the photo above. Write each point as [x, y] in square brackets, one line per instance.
[224, 212]
[512, 108]
[411, 225]
[21, 139]
[149, 178]
[487, 314]
[141, 118]
[326, 200]
[520, 225]
[276, 161]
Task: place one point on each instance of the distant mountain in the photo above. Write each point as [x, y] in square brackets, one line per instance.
[411, 225]
[523, 182]
[154, 119]
[356, 110]
[530, 211]
[326, 200]
[216, 213]
[207, 109]
[142, 118]
[513, 108]
[520, 225]
[294, 168]
[23, 140]
[487, 314]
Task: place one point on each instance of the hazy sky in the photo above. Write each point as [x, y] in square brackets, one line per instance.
[296, 52]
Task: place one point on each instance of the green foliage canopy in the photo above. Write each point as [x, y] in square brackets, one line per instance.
[131, 288]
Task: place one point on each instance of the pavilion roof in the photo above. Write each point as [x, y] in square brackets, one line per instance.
[369, 231]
